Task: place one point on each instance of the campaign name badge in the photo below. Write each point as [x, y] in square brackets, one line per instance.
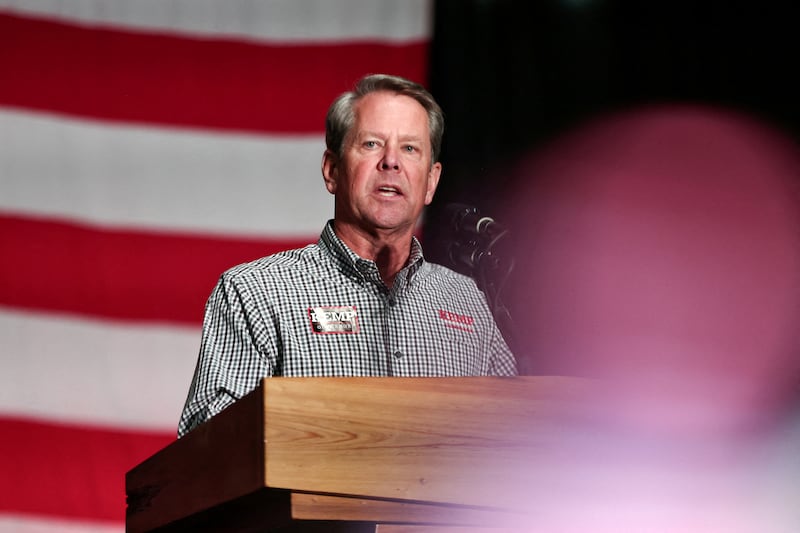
[336, 319]
[457, 321]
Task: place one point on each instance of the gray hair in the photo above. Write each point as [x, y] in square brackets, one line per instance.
[341, 117]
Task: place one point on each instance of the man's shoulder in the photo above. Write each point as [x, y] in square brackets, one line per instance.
[438, 273]
[437, 269]
[296, 260]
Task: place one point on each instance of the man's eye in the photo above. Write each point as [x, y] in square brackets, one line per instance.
[371, 144]
[410, 149]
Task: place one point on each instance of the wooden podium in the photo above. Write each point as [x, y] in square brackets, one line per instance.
[350, 454]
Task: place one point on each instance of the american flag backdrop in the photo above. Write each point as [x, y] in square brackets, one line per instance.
[145, 147]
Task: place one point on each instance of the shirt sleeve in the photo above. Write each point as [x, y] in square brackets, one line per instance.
[502, 361]
[232, 361]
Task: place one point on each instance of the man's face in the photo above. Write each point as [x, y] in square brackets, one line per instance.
[385, 177]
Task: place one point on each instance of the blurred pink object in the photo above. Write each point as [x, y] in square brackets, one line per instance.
[661, 249]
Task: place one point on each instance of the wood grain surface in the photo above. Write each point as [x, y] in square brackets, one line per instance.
[435, 450]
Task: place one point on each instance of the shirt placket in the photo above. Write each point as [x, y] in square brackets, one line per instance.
[381, 304]
[396, 327]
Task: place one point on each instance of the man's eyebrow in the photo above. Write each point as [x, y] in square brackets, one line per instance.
[366, 133]
[403, 138]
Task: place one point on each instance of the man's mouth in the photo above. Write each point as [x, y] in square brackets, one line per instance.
[388, 191]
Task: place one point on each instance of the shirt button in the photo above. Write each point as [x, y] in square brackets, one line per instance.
[398, 354]
[392, 302]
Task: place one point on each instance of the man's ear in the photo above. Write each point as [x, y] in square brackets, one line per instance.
[433, 180]
[330, 170]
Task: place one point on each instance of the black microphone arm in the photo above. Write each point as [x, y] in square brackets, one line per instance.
[473, 237]
[472, 247]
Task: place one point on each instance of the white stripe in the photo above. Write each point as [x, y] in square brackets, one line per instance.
[135, 176]
[268, 20]
[100, 373]
[27, 524]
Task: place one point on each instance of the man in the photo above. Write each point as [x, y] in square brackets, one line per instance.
[362, 301]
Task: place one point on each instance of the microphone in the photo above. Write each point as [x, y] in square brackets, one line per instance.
[474, 235]
[468, 220]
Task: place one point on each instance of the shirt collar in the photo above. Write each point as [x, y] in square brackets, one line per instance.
[352, 263]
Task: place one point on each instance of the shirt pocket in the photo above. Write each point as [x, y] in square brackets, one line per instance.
[459, 350]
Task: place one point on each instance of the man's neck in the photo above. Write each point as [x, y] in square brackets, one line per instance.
[389, 250]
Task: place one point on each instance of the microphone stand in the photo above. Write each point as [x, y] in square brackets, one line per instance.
[491, 272]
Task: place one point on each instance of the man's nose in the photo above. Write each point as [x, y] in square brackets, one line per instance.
[390, 159]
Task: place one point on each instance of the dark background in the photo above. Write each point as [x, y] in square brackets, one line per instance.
[511, 75]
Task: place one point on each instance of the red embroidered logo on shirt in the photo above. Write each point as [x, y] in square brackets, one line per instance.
[454, 320]
[336, 319]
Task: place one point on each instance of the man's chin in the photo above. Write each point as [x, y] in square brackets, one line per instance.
[389, 219]
[389, 224]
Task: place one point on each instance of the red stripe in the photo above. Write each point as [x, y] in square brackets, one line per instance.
[155, 78]
[133, 275]
[69, 471]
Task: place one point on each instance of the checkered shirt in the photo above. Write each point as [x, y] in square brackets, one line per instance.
[322, 310]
